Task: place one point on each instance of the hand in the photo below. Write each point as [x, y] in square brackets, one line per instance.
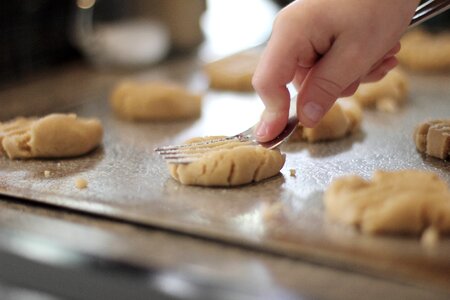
[326, 48]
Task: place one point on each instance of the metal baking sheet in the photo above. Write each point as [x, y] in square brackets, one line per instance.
[128, 181]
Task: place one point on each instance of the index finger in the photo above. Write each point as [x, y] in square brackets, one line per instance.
[278, 64]
[285, 52]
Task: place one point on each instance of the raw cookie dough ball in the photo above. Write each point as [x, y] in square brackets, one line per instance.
[233, 73]
[433, 138]
[154, 101]
[229, 164]
[425, 51]
[342, 119]
[387, 94]
[406, 201]
[56, 135]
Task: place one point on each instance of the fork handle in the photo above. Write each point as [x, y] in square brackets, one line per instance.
[428, 10]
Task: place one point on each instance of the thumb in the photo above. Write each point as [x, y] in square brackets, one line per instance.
[333, 74]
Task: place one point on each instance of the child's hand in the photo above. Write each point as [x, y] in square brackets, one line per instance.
[326, 47]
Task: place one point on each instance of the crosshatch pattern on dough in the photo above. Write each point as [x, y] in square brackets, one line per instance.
[231, 163]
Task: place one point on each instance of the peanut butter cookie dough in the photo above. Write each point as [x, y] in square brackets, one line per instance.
[425, 51]
[56, 135]
[433, 138]
[154, 101]
[342, 119]
[406, 201]
[233, 73]
[230, 164]
[386, 95]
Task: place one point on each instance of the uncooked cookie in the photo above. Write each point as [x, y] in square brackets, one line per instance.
[233, 73]
[386, 95]
[229, 164]
[433, 138]
[56, 135]
[425, 51]
[407, 201]
[342, 119]
[154, 101]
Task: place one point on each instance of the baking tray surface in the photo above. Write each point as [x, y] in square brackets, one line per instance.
[128, 181]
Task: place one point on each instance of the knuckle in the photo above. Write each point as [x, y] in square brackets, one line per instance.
[290, 17]
[261, 83]
[283, 16]
[257, 82]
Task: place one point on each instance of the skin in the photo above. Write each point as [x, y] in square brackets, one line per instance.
[326, 48]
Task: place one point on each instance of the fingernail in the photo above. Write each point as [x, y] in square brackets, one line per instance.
[262, 129]
[267, 118]
[313, 111]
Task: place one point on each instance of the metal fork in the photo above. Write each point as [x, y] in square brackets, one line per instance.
[427, 10]
[187, 153]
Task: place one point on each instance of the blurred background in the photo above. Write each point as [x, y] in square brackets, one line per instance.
[39, 34]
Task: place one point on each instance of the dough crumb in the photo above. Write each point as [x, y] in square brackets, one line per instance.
[430, 237]
[47, 173]
[81, 183]
[292, 172]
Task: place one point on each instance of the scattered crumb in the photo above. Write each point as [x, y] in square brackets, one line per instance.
[47, 173]
[58, 164]
[81, 183]
[430, 237]
[292, 172]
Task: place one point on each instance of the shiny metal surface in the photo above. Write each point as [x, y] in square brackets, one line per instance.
[428, 10]
[38, 263]
[96, 245]
[128, 181]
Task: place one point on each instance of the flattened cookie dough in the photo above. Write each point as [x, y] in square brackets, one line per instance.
[425, 51]
[386, 95]
[154, 101]
[234, 72]
[56, 135]
[342, 119]
[406, 201]
[433, 138]
[230, 164]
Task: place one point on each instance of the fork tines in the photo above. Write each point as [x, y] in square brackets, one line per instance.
[187, 153]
